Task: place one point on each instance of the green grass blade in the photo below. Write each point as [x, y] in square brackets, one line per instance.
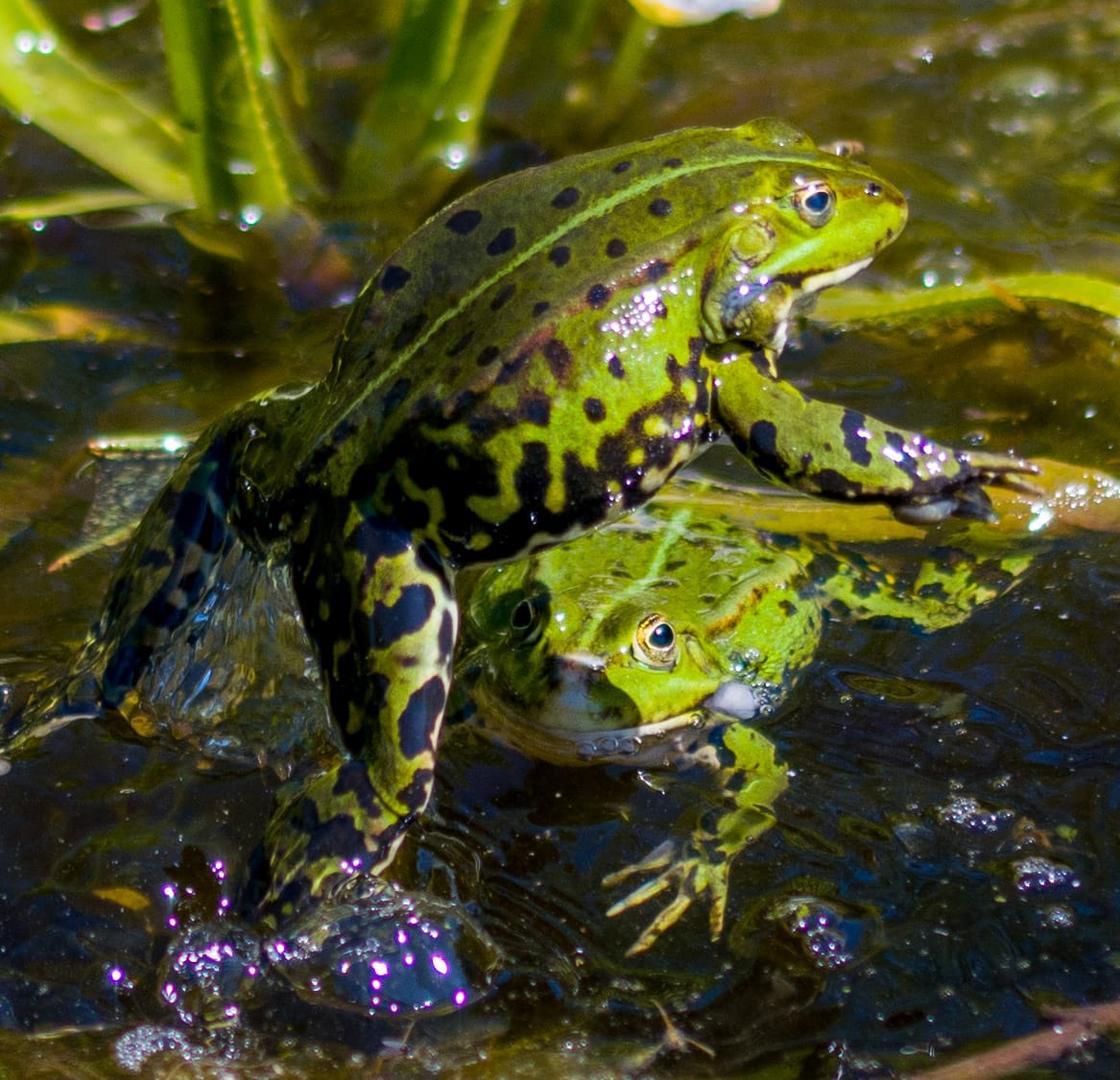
[75, 201]
[452, 135]
[1002, 292]
[42, 79]
[394, 121]
[240, 153]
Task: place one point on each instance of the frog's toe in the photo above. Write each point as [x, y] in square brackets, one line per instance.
[693, 876]
[659, 858]
[995, 468]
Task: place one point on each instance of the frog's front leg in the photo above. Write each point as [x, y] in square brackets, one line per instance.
[838, 453]
[380, 608]
[752, 780]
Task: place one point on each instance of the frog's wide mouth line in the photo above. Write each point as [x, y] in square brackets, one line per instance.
[654, 743]
[814, 283]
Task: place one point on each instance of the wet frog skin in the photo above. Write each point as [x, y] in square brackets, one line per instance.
[533, 362]
[656, 641]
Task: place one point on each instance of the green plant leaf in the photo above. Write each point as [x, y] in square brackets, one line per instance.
[75, 201]
[44, 81]
[241, 156]
[1007, 291]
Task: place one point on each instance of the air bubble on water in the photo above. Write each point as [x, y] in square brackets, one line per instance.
[1036, 875]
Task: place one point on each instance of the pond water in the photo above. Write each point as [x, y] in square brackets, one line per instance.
[945, 863]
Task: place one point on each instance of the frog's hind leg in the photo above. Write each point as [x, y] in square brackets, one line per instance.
[380, 608]
[169, 568]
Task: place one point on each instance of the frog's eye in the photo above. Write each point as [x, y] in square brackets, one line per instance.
[815, 203]
[655, 642]
[525, 620]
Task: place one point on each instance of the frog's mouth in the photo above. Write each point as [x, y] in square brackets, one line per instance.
[656, 744]
[814, 283]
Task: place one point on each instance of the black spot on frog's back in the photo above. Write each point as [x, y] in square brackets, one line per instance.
[409, 330]
[464, 222]
[503, 296]
[598, 295]
[504, 240]
[559, 358]
[566, 198]
[394, 278]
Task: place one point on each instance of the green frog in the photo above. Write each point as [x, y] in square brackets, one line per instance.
[535, 361]
[655, 643]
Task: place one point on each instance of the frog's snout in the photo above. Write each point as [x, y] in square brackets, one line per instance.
[734, 699]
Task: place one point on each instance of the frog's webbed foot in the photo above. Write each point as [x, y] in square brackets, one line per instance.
[695, 870]
[702, 864]
[967, 499]
[335, 826]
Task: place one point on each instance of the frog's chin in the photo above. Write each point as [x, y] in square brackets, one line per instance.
[660, 743]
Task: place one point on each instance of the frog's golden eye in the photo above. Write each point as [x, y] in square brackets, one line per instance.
[655, 642]
[815, 203]
[526, 621]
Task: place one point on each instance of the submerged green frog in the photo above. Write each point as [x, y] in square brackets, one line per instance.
[535, 361]
[652, 643]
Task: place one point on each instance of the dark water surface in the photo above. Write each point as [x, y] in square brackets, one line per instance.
[946, 856]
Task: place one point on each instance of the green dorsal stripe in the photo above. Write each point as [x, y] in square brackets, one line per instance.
[674, 529]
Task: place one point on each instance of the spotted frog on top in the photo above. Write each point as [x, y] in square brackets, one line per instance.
[536, 360]
[659, 642]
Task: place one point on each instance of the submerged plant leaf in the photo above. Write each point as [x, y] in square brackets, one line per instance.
[66, 322]
[43, 80]
[850, 307]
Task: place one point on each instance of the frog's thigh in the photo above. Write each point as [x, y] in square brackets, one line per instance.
[379, 607]
[197, 503]
[826, 449]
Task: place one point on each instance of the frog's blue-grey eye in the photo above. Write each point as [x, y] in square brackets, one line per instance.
[655, 642]
[815, 203]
